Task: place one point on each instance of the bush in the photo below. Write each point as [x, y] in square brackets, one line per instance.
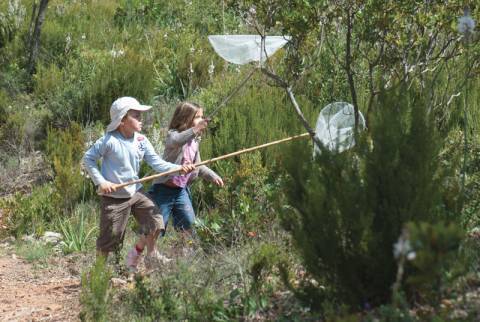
[30, 214]
[95, 294]
[22, 127]
[242, 208]
[64, 150]
[35, 252]
[436, 259]
[86, 87]
[10, 21]
[259, 113]
[217, 287]
[345, 210]
[202, 17]
[189, 294]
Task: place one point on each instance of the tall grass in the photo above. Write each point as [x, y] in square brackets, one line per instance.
[78, 230]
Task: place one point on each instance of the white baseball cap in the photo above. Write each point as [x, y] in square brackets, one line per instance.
[120, 108]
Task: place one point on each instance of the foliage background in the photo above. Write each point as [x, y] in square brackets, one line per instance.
[290, 235]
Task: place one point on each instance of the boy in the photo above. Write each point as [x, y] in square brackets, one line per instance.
[121, 150]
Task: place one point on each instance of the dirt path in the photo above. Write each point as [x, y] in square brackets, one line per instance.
[37, 294]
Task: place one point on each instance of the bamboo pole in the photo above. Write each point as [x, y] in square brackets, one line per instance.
[223, 157]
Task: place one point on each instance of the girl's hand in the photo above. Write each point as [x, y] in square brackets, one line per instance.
[107, 187]
[187, 168]
[201, 126]
[218, 182]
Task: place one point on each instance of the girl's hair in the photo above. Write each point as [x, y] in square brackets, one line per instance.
[183, 116]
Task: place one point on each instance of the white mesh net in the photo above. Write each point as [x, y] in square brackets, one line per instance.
[335, 126]
[243, 49]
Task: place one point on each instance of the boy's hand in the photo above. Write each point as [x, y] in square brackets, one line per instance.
[218, 182]
[107, 187]
[187, 168]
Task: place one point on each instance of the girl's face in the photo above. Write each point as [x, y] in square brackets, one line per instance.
[198, 117]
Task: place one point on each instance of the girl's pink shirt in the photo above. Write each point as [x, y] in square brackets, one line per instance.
[189, 151]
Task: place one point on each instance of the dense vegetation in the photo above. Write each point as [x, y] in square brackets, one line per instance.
[387, 230]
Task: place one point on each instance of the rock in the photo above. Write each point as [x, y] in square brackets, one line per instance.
[459, 314]
[28, 238]
[51, 237]
[118, 282]
[9, 240]
[54, 307]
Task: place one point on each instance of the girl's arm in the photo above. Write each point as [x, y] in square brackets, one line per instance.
[176, 138]
[90, 159]
[208, 174]
[205, 172]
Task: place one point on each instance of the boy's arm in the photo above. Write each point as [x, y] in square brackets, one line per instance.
[179, 138]
[90, 159]
[154, 160]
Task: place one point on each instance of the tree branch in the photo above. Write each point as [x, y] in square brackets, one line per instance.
[35, 39]
[348, 67]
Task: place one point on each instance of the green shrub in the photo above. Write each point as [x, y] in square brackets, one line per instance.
[345, 210]
[64, 150]
[3, 106]
[242, 208]
[186, 295]
[436, 258]
[35, 252]
[258, 114]
[266, 261]
[12, 14]
[22, 127]
[54, 43]
[30, 214]
[86, 87]
[95, 294]
[153, 304]
[391, 314]
[7, 30]
[202, 17]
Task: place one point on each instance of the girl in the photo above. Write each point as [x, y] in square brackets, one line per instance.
[171, 193]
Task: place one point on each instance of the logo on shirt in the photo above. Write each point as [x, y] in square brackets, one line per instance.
[141, 143]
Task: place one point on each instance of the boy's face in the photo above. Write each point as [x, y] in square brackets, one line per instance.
[132, 122]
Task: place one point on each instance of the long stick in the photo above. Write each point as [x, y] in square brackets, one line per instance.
[226, 156]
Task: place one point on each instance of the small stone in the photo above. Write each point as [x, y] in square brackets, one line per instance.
[9, 240]
[447, 303]
[28, 238]
[118, 282]
[459, 314]
[54, 307]
[51, 237]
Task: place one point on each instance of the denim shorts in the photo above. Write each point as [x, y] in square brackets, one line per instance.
[174, 202]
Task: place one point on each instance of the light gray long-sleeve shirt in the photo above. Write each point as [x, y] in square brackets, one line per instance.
[174, 146]
[121, 159]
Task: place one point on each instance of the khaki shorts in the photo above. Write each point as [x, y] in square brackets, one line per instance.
[114, 218]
